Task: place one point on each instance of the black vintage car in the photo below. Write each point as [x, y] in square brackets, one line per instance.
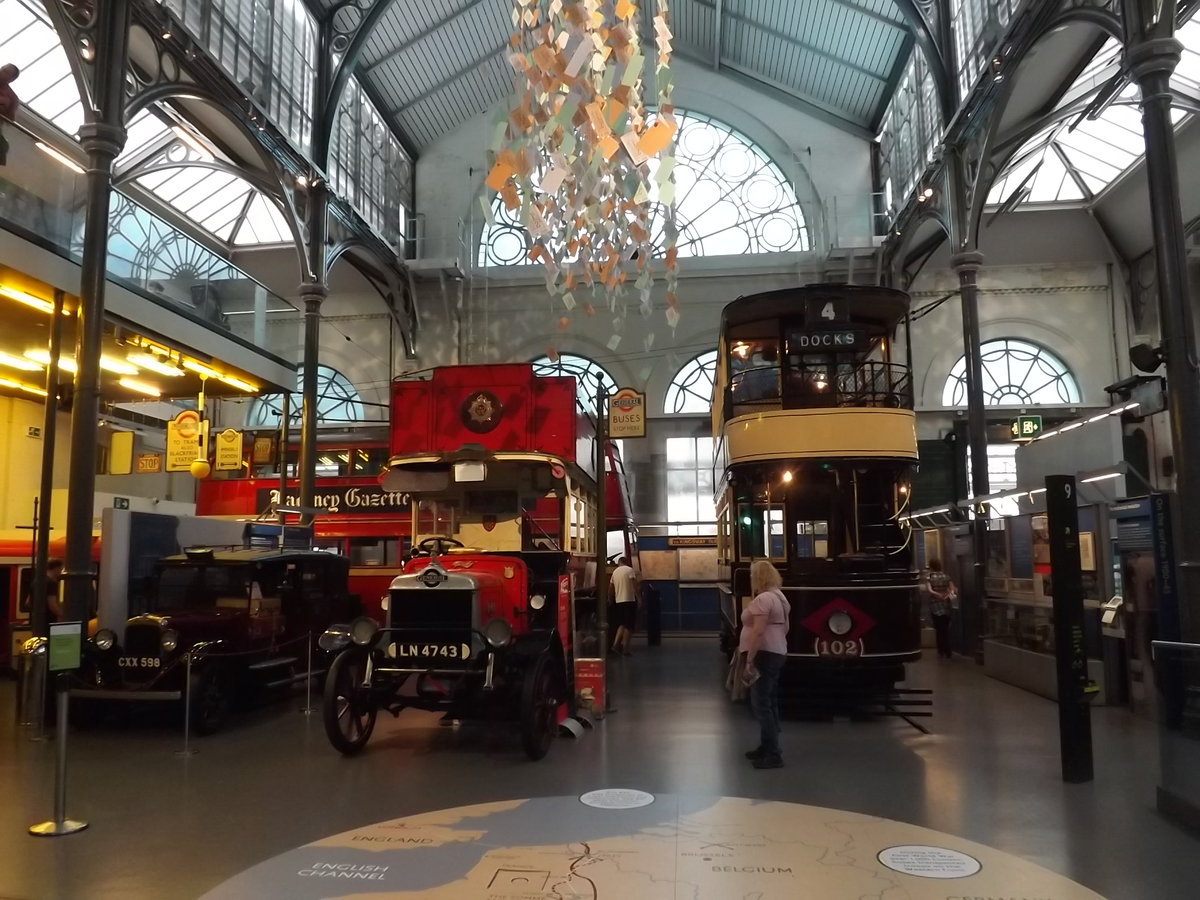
[244, 617]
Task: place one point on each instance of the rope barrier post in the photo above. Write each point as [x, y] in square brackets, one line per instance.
[187, 750]
[308, 707]
[60, 824]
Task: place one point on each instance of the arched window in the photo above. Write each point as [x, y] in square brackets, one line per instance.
[585, 372]
[337, 402]
[1015, 373]
[730, 198]
[691, 389]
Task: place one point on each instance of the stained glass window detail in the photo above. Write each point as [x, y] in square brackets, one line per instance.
[1015, 373]
[730, 199]
[338, 402]
[691, 388]
[585, 372]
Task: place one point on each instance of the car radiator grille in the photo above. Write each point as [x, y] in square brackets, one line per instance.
[142, 640]
[432, 625]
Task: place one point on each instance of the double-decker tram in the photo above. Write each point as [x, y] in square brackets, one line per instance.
[815, 451]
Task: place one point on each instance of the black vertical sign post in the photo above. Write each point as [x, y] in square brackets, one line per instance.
[1074, 716]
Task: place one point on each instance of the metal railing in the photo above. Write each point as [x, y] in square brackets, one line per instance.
[867, 385]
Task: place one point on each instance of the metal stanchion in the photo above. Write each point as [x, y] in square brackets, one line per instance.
[188, 749]
[308, 707]
[60, 824]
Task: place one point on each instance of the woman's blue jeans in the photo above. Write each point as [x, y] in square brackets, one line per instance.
[764, 699]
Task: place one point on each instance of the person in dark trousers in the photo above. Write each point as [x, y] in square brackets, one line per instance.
[942, 594]
[54, 610]
[766, 652]
[624, 588]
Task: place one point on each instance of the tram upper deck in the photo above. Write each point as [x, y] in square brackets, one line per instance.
[809, 371]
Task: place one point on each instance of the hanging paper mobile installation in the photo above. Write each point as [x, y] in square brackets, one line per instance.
[588, 168]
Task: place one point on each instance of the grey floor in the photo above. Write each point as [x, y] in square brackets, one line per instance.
[164, 826]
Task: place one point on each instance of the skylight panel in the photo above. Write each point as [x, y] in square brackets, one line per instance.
[264, 224]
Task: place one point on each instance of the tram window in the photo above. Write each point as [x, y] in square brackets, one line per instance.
[754, 370]
[368, 460]
[374, 552]
[812, 540]
[760, 531]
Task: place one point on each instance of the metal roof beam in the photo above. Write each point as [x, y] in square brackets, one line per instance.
[871, 14]
[784, 94]
[793, 41]
[425, 32]
[451, 78]
[720, 9]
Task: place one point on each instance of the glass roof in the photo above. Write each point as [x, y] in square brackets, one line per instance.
[220, 203]
[1075, 160]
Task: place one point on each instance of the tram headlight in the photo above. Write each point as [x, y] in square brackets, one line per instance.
[498, 633]
[169, 640]
[363, 630]
[537, 601]
[840, 623]
[105, 639]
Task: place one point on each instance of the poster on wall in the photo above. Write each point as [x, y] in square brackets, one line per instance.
[1087, 551]
[1041, 541]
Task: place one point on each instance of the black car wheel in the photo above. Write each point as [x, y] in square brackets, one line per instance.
[210, 703]
[348, 711]
[540, 698]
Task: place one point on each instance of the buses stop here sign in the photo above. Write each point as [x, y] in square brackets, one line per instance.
[626, 414]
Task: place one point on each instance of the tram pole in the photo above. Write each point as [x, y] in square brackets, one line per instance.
[602, 519]
[39, 612]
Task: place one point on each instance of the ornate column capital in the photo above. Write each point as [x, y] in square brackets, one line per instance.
[1153, 57]
[967, 261]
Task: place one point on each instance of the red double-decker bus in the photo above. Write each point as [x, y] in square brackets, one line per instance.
[526, 439]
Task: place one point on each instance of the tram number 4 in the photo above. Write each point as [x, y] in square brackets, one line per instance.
[838, 647]
[828, 312]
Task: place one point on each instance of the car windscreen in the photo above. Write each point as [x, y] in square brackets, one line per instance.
[201, 587]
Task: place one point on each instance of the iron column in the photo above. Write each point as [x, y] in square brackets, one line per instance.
[102, 137]
[967, 264]
[1151, 61]
[313, 292]
[39, 613]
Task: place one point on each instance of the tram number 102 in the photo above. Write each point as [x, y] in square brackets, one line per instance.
[839, 647]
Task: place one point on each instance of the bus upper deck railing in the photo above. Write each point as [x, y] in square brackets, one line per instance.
[867, 385]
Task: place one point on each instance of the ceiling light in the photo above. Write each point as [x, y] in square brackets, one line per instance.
[155, 364]
[239, 384]
[1103, 477]
[141, 387]
[66, 363]
[17, 362]
[37, 303]
[200, 368]
[21, 386]
[117, 366]
[787, 477]
[62, 158]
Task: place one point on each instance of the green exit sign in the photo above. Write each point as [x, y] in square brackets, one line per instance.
[1026, 428]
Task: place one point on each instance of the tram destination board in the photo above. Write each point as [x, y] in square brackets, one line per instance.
[828, 339]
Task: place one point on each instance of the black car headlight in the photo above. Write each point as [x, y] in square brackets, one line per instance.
[363, 630]
[334, 639]
[537, 601]
[105, 639]
[169, 641]
[498, 633]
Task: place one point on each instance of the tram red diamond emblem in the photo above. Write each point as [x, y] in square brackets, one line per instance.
[818, 622]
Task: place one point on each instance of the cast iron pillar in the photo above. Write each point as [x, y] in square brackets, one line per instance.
[313, 292]
[39, 611]
[102, 138]
[1151, 61]
[967, 264]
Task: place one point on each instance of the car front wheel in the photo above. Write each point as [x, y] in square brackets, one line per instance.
[348, 711]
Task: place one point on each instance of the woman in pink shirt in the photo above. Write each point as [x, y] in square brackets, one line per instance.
[766, 648]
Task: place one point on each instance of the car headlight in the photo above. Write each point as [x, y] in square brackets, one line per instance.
[334, 638]
[537, 601]
[840, 623]
[385, 602]
[105, 639]
[363, 630]
[498, 633]
[169, 640]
